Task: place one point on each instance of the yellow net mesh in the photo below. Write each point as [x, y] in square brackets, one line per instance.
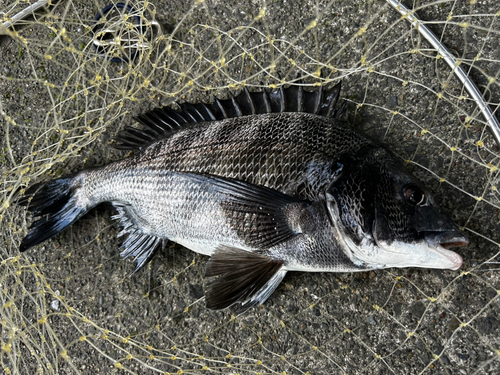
[69, 82]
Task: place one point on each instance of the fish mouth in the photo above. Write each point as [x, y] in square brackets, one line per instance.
[442, 241]
[449, 245]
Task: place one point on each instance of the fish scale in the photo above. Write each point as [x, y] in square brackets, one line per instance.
[264, 183]
[182, 151]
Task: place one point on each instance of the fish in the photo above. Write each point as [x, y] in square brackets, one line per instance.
[264, 183]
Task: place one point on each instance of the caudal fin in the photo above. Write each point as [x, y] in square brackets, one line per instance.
[55, 202]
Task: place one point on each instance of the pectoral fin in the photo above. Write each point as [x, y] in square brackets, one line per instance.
[242, 279]
[262, 217]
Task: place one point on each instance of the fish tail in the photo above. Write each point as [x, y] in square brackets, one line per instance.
[56, 203]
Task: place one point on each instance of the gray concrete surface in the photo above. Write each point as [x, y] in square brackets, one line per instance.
[407, 321]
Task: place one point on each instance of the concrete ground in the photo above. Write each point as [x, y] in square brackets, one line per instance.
[71, 306]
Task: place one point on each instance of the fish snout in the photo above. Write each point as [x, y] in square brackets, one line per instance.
[440, 242]
[446, 239]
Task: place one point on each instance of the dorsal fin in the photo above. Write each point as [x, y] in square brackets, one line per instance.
[161, 122]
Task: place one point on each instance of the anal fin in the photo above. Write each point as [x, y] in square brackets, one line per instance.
[242, 279]
[140, 245]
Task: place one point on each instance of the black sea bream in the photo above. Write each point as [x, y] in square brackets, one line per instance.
[264, 183]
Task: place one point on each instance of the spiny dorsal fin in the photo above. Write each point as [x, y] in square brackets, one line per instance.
[162, 122]
[241, 279]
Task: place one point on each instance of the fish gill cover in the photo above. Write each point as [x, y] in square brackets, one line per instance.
[72, 76]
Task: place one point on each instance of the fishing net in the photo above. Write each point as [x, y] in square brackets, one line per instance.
[73, 73]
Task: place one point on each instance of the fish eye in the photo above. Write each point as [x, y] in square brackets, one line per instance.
[415, 195]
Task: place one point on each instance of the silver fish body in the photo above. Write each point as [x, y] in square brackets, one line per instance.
[154, 189]
[264, 183]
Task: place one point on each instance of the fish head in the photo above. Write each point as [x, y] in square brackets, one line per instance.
[384, 217]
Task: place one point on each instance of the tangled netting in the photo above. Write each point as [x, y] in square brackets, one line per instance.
[73, 73]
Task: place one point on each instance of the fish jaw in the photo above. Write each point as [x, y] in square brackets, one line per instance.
[371, 253]
[402, 255]
[454, 258]
[420, 254]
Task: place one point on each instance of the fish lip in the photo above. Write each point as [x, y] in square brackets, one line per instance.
[442, 241]
[449, 245]
[446, 239]
[442, 258]
[455, 259]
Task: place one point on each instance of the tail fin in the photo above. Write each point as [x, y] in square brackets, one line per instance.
[55, 201]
